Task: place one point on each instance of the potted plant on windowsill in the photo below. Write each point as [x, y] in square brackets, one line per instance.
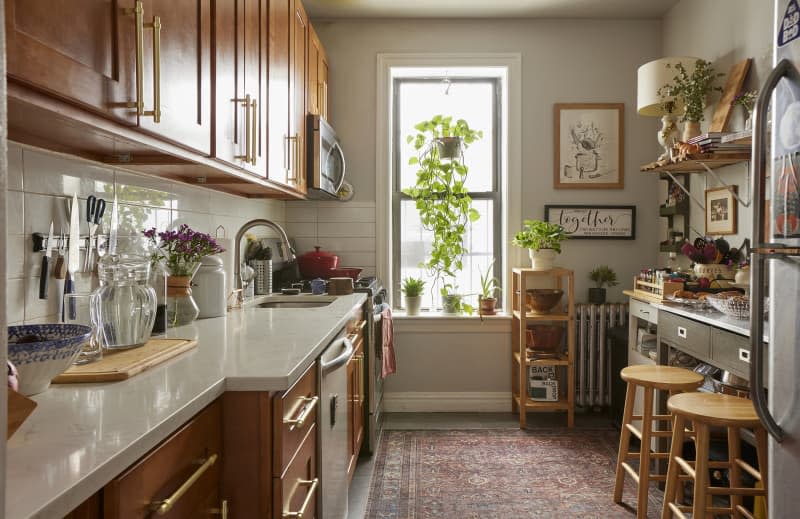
[412, 289]
[487, 299]
[691, 89]
[601, 275]
[543, 241]
[442, 200]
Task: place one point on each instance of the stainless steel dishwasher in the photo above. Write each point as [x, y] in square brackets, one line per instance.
[333, 452]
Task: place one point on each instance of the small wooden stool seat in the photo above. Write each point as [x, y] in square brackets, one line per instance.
[713, 410]
[649, 379]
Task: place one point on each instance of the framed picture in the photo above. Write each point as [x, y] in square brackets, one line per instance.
[588, 146]
[720, 211]
[594, 222]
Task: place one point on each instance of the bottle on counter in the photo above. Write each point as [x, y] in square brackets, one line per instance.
[209, 289]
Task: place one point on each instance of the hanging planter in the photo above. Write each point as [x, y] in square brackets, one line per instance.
[449, 147]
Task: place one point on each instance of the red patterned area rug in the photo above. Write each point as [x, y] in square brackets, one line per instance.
[499, 473]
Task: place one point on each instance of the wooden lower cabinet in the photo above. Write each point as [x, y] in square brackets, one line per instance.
[296, 491]
[355, 400]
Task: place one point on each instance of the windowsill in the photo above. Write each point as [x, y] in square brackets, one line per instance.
[432, 322]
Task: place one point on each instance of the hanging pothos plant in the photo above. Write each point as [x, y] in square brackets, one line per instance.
[442, 199]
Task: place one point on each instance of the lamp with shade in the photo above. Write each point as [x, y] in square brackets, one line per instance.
[650, 78]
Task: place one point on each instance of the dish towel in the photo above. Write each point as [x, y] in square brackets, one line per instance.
[389, 365]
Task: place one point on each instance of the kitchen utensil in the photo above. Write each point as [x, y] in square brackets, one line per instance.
[85, 314]
[42, 351]
[318, 286]
[290, 291]
[737, 306]
[729, 379]
[95, 207]
[73, 254]
[317, 264]
[60, 268]
[126, 304]
[542, 300]
[346, 272]
[340, 286]
[208, 288]
[44, 274]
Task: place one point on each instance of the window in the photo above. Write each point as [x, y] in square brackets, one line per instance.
[475, 98]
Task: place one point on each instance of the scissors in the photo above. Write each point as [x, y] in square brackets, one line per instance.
[95, 207]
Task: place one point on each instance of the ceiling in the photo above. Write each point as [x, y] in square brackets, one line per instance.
[488, 8]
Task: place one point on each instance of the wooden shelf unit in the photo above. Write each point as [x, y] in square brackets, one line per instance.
[694, 164]
[524, 279]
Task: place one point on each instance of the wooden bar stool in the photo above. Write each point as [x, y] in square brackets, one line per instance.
[649, 378]
[706, 410]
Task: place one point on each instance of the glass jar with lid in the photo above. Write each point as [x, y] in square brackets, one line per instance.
[126, 304]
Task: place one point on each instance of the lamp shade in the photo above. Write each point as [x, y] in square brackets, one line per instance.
[654, 75]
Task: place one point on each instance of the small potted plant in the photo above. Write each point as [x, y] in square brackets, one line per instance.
[602, 276]
[691, 89]
[487, 299]
[543, 239]
[412, 288]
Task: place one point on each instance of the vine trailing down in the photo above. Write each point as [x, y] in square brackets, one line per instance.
[441, 196]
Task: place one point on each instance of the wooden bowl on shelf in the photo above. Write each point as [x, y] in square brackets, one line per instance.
[542, 300]
[544, 339]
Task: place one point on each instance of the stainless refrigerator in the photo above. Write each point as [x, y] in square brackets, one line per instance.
[775, 263]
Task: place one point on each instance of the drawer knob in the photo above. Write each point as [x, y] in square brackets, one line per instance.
[744, 355]
[681, 332]
[162, 507]
[311, 491]
[307, 404]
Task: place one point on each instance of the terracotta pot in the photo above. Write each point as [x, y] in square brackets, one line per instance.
[487, 305]
[317, 264]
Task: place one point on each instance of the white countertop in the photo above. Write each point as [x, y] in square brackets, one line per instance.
[82, 435]
[712, 317]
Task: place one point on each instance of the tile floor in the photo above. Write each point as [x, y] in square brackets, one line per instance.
[359, 486]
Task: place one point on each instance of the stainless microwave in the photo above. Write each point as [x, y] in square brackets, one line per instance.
[326, 166]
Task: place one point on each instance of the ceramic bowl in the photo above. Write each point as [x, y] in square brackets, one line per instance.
[42, 351]
[542, 300]
[544, 338]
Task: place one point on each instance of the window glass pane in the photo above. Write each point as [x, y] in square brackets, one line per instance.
[415, 244]
[471, 101]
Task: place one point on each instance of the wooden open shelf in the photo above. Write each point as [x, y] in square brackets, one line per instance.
[562, 404]
[555, 316]
[694, 164]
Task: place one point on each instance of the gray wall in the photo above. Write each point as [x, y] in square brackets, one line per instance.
[562, 61]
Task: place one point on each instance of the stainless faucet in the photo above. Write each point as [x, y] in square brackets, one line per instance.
[238, 240]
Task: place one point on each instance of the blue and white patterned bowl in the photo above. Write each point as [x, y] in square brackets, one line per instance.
[41, 361]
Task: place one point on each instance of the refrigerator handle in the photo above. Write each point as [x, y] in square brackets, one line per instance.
[757, 393]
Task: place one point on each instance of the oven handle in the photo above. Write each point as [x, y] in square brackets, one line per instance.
[342, 359]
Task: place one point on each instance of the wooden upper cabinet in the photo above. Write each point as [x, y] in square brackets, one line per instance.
[278, 142]
[240, 73]
[297, 121]
[77, 50]
[317, 89]
[184, 62]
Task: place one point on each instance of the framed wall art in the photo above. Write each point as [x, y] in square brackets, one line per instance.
[588, 146]
[594, 222]
[720, 211]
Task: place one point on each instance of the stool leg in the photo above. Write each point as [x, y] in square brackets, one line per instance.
[761, 455]
[644, 454]
[701, 471]
[675, 450]
[624, 441]
[734, 472]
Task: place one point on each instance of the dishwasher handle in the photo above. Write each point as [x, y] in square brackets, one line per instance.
[341, 359]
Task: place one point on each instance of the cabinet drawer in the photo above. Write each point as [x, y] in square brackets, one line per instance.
[297, 490]
[686, 335]
[643, 311]
[193, 450]
[728, 351]
[295, 414]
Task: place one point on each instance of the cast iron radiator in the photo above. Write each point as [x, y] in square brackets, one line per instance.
[592, 362]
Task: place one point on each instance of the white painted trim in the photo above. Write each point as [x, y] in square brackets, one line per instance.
[461, 402]
[512, 135]
[499, 324]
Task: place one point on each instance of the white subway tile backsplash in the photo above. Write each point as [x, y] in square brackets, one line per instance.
[301, 212]
[136, 189]
[338, 229]
[350, 243]
[51, 174]
[133, 219]
[14, 167]
[197, 221]
[15, 207]
[15, 300]
[356, 259]
[15, 256]
[347, 214]
[188, 198]
[40, 210]
[302, 229]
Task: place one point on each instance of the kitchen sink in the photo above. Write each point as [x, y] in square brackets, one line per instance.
[294, 304]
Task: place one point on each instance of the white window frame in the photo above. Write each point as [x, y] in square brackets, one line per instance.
[510, 167]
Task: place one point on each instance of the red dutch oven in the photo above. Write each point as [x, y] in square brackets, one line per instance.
[317, 264]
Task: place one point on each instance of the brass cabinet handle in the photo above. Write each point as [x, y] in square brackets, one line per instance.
[311, 491]
[222, 510]
[254, 131]
[308, 405]
[292, 176]
[138, 12]
[247, 127]
[162, 507]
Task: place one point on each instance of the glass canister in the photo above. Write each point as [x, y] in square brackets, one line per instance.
[126, 304]
[208, 288]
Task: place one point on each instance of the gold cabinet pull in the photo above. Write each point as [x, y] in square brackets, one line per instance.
[292, 176]
[138, 12]
[308, 404]
[222, 510]
[311, 491]
[162, 507]
[247, 127]
[254, 131]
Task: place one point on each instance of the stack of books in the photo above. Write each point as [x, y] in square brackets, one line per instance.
[712, 142]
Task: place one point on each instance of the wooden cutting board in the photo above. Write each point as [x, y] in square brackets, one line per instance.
[122, 364]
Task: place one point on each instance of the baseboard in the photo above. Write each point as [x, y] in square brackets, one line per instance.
[450, 402]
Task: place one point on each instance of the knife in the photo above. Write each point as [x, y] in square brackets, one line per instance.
[44, 275]
[73, 254]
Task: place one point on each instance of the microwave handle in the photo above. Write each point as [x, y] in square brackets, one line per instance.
[338, 149]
